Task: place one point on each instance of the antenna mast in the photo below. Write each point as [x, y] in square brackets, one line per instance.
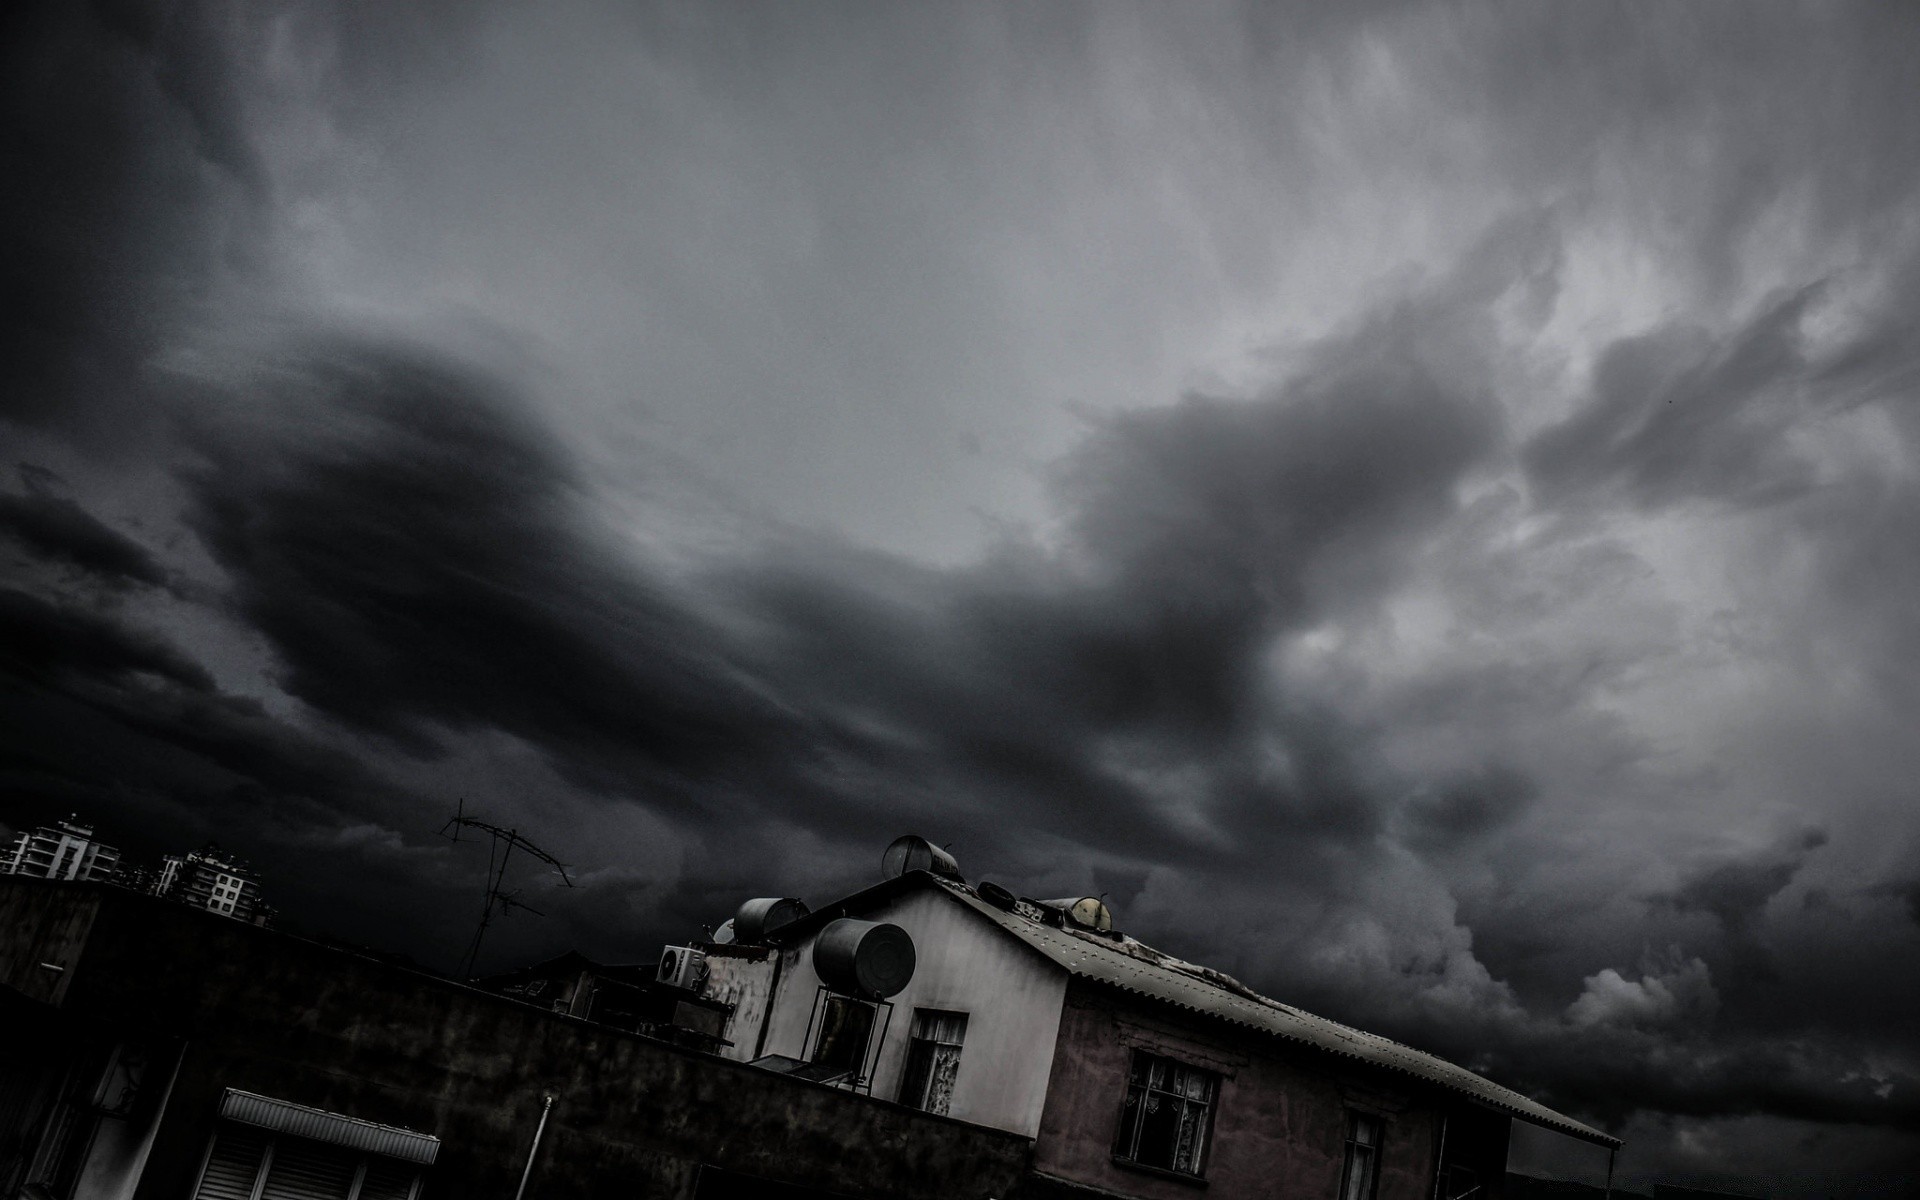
[504, 843]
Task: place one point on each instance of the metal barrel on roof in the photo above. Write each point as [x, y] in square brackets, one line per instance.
[864, 958]
[913, 853]
[1087, 912]
[761, 916]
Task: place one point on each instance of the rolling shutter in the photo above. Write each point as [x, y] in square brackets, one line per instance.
[232, 1165]
[303, 1170]
[388, 1180]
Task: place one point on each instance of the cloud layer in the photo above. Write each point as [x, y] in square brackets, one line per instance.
[1417, 506]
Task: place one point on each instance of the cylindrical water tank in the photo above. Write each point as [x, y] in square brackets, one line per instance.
[760, 917]
[863, 958]
[1088, 912]
[911, 853]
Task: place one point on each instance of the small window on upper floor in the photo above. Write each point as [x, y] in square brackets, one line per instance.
[1363, 1157]
[933, 1059]
[1167, 1115]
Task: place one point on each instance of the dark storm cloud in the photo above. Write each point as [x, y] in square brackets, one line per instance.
[56, 528]
[416, 556]
[124, 183]
[1736, 892]
[1470, 671]
[49, 641]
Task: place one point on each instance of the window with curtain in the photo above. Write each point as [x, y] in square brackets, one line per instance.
[1167, 1115]
[933, 1059]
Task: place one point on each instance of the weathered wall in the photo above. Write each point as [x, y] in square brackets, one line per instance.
[42, 929]
[742, 977]
[1011, 996]
[1280, 1120]
[632, 1117]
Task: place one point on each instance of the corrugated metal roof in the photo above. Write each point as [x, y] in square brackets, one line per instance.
[1092, 956]
[283, 1116]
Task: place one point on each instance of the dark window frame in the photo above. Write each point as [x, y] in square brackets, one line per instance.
[1367, 1153]
[1159, 1079]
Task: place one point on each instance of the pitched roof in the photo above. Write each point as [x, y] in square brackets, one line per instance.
[1135, 967]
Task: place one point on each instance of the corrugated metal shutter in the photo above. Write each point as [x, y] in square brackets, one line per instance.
[232, 1165]
[304, 1170]
[388, 1180]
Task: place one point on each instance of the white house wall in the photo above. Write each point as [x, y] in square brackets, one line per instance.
[1012, 998]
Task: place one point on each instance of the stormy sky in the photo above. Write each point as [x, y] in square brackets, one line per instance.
[1419, 506]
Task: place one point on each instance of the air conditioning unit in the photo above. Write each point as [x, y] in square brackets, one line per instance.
[683, 967]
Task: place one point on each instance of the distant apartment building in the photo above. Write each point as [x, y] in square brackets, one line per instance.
[210, 878]
[66, 850]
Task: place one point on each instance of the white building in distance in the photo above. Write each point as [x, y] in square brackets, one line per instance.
[67, 850]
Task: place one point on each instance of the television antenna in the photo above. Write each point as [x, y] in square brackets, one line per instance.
[499, 851]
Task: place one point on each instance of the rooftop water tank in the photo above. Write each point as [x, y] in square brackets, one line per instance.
[864, 958]
[760, 917]
[1085, 912]
[911, 853]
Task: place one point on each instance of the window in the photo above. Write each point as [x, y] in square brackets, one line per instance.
[933, 1059]
[1363, 1157]
[1167, 1114]
[256, 1155]
[846, 1026]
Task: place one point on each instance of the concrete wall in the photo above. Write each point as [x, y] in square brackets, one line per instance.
[1279, 1123]
[633, 1117]
[1012, 998]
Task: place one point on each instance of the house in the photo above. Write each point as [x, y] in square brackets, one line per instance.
[626, 997]
[1134, 1073]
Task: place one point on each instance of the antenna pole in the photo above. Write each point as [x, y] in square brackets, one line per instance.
[505, 842]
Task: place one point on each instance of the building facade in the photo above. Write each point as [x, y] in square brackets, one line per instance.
[1134, 1073]
[213, 880]
[64, 850]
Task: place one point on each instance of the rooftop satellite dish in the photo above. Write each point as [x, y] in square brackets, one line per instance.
[911, 853]
[998, 896]
[723, 936]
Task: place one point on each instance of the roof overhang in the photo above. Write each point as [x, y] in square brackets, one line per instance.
[284, 1116]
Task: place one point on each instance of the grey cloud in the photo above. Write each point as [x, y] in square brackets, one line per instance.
[1558, 540]
[56, 528]
[1678, 414]
[1736, 891]
[114, 223]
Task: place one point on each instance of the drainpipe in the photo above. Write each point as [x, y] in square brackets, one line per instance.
[1440, 1162]
[1610, 1154]
[534, 1149]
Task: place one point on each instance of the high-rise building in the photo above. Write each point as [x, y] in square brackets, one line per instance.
[67, 850]
[212, 879]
